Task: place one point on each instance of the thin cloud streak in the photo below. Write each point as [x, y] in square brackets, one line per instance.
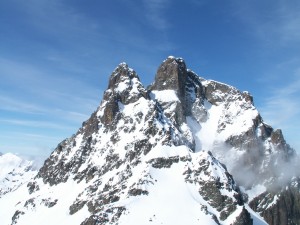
[56, 19]
[28, 137]
[67, 25]
[276, 23]
[281, 110]
[33, 123]
[48, 90]
[14, 105]
[87, 106]
[155, 13]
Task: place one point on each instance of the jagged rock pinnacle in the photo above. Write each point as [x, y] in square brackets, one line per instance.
[122, 71]
[171, 75]
[124, 87]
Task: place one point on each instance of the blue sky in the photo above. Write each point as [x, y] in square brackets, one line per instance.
[56, 57]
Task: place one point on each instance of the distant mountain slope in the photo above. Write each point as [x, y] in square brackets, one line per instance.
[186, 150]
[14, 171]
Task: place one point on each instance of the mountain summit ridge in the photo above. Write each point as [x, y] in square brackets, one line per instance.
[146, 152]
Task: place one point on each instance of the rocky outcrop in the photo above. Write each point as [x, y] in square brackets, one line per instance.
[216, 92]
[125, 85]
[281, 206]
[244, 218]
[171, 75]
[125, 88]
[195, 97]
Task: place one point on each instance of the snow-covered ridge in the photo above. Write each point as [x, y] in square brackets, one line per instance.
[14, 171]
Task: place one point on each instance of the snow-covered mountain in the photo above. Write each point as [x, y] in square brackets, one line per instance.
[185, 150]
[14, 171]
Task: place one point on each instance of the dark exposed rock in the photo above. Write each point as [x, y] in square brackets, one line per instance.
[52, 167]
[265, 131]
[143, 146]
[211, 189]
[194, 98]
[49, 203]
[216, 92]
[111, 108]
[279, 142]
[135, 192]
[16, 216]
[163, 162]
[171, 75]
[279, 207]
[32, 187]
[95, 220]
[277, 138]
[123, 74]
[122, 88]
[210, 192]
[30, 203]
[90, 126]
[110, 216]
[244, 218]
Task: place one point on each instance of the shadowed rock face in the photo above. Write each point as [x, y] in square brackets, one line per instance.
[171, 75]
[244, 218]
[281, 206]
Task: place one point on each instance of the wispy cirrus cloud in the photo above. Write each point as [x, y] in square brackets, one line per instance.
[56, 18]
[11, 136]
[14, 105]
[34, 90]
[155, 13]
[35, 123]
[274, 22]
[281, 109]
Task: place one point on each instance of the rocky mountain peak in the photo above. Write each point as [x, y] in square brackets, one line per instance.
[121, 73]
[125, 85]
[125, 88]
[171, 75]
[169, 88]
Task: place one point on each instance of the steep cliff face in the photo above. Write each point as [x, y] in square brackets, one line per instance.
[146, 153]
[280, 206]
[218, 117]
